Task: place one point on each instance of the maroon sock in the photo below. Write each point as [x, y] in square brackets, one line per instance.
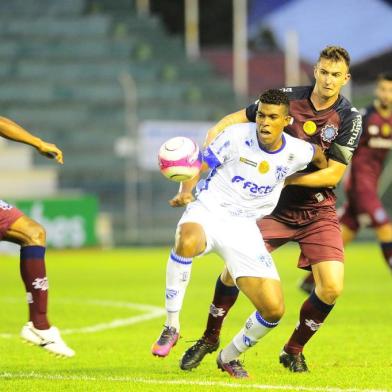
[224, 299]
[32, 270]
[313, 313]
[386, 248]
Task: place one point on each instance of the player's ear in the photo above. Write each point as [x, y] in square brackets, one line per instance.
[346, 78]
[287, 120]
[315, 70]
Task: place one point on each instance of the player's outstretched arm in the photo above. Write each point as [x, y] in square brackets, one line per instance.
[230, 119]
[185, 195]
[324, 178]
[12, 131]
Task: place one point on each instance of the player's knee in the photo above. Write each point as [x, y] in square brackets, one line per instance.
[187, 245]
[271, 311]
[36, 235]
[330, 292]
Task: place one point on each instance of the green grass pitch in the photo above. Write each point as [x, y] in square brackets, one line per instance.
[93, 293]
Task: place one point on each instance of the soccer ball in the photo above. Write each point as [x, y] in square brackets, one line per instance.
[179, 159]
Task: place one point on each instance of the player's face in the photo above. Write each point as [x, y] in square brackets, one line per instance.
[270, 122]
[384, 93]
[330, 77]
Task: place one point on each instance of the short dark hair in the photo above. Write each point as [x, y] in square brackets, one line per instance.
[335, 53]
[384, 76]
[275, 97]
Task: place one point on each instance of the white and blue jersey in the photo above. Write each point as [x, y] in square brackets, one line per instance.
[246, 180]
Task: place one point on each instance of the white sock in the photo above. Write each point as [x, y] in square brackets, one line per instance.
[178, 273]
[255, 328]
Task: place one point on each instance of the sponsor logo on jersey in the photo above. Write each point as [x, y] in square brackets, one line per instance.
[248, 161]
[373, 130]
[310, 127]
[41, 284]
[249, 142]
[380, 142]
[216, 312]
[313, 325]
[290, 158]
[329, 132]
[355, 130]
[253, 188]
[263, 167]
[281, 172]
[385, 130]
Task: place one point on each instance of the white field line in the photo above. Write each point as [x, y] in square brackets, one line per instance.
[149, 312]
[133, 380]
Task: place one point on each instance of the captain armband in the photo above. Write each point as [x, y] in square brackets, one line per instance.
[342, 154]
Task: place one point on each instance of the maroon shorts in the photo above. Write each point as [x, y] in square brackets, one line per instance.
[363, 210]
[319, 240]
[8, 215]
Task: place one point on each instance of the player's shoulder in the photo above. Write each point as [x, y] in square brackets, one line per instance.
[240, 129]
[297, 92]
[368, 110]
[346, 110]
[294, 142]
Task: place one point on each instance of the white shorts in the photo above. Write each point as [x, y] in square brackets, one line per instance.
[238, 241]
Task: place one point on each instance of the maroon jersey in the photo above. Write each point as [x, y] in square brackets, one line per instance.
[373, 149]
[336, 129]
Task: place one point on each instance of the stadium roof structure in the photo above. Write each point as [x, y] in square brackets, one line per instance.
[363, 27]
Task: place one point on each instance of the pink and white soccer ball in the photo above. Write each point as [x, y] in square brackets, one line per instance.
[179, 159]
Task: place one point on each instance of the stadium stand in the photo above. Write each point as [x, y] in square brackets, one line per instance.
[60, 67]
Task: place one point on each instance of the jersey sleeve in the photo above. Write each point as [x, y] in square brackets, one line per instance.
[304, 153]
[221, 149]
[346, 142]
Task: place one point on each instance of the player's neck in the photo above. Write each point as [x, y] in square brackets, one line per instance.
[384, 111]
[272, 147]
[322, 103]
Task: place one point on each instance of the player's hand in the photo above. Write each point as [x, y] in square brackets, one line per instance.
[181, 199]
[51, 151]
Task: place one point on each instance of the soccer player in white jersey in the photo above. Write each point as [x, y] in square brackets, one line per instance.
[249, 163]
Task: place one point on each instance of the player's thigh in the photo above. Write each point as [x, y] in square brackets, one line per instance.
[320, 240]
[329, 280]
[347, 234]
[348, 219]
[8, 215]
[226, 278]
[274, 233]
[384, 232]
[190, 239]
[265, 294]
[26, 231]
[242, 248]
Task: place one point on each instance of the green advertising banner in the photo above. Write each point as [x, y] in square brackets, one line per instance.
[69, 222]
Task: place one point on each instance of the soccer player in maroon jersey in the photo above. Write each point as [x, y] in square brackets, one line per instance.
[30, 235]
[306, 211]
[364, 207]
